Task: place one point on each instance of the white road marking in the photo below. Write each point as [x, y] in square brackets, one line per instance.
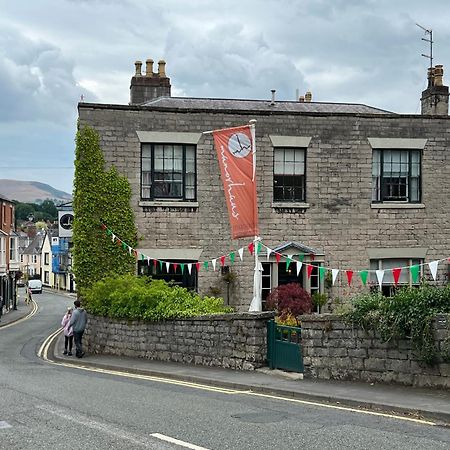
[98, 426]
[28, 316]
[43, 353]
[177, 441]
[4, 425]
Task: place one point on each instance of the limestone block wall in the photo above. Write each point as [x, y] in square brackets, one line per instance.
[333, 349]
[236, 341]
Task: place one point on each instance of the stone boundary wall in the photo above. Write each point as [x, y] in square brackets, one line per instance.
[235, 341]
[334, 349]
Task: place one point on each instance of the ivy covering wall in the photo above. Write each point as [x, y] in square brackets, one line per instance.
[99, 196]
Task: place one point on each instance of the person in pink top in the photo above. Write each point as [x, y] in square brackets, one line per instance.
[68, 332]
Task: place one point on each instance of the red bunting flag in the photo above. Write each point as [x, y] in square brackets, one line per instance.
[198, 266]
[312, 256]
[309, 270]
[349, 274]
[175, 265]
[135, 253]
[155, 263]
[222, 260]
[251, 248]
[278, 257]
[119, 242]
[396, 273]
[104, 226]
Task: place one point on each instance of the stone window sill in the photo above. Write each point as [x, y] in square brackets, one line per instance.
[167, 204]
[392, 205]
[290, 207]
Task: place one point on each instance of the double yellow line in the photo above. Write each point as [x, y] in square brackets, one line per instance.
[43, 353]
[33, 311]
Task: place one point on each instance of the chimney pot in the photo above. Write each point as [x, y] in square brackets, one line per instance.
[149, 68]
[301, 99]
[273, 96]
[138, 65]
[308, 96]
[162, 68]
[438, 75]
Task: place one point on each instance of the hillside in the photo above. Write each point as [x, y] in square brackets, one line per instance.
[32, 191]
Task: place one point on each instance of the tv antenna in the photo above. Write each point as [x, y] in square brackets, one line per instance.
[428, 34]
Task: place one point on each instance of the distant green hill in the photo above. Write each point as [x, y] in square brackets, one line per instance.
[32, 192]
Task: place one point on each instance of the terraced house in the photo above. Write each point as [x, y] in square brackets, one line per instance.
[9, 256]
[341, 186]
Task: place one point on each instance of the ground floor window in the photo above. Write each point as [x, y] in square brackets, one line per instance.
[175, 274]
[406, 278]
[46, 277]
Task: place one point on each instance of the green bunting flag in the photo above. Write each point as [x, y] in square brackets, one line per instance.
[142, 257]
[205, 265]
[160, 266]
[182, 267]
[124, 246]
[322, 271]
[288, 262]
[363, 274]
[258, 248]
[232, 255]
[414, 273]
[108, 232]
[301, 257]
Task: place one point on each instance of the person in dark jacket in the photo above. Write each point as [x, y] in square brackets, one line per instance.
[78, 323]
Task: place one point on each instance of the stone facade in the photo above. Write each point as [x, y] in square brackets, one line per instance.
[235, 341]
[338, 217]
[333, 349]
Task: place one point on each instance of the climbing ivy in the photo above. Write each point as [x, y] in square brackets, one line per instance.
[99, 196]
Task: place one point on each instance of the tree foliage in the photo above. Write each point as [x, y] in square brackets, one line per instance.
[45, 211]
[99, 196]
[289, 300]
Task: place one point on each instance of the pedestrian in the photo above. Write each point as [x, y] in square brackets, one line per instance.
[29, 297]
[68, 332]
[1, 306]
[78, 323]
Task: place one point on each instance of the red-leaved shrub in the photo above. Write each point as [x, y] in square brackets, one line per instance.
[290, 299]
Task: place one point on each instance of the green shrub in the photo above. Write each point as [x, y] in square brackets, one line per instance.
[408, 314]
[140, 298]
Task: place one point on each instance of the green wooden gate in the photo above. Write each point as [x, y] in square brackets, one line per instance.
[284, 349]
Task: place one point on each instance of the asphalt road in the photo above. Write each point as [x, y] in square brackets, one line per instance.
[45, 406]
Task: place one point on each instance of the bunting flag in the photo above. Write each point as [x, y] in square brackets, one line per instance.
[396, 274]
[349, 274]
[414, 273]
[334, 273]
[380, 275]
[235, 149]
[433, 265]
[189, 266]
[290, 258]
[363, 274]
[322, 271]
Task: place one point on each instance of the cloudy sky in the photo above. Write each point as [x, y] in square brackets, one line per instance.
[54, 51]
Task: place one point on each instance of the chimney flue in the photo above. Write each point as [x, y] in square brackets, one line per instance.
[149, 68]
[438, 75]
[273, 97]
[138, 65]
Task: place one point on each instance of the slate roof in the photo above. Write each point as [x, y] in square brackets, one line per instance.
[297, 246]
[217, 104]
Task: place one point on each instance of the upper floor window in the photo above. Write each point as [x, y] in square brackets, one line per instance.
[13, 253]
[289, 184]
[2, 251]
[46, 258]
[168, 171]
[396, 176]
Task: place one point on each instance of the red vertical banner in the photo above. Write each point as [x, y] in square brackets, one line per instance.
[235, 149]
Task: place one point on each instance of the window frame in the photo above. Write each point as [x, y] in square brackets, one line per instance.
[152, 196]
[379, 186]
[303, 186]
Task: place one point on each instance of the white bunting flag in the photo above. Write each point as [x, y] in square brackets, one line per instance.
[269, 251]
[167, 266]
[214, 263]
[241, 253]
[433, 265]
[299, 266]
[189, 268]
[380, 275]
[129, 250]
[114, 237]
[334, 273]
[148, 260]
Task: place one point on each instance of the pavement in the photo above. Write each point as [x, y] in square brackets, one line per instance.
[423, 403]
[13, 315]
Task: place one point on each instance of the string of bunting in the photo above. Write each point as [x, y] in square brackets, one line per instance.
[297, 260]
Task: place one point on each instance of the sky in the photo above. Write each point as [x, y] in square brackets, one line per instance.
[54, 51]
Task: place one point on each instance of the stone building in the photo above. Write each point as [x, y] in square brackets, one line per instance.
[340, 186]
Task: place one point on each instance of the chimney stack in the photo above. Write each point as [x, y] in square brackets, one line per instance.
[152, 85]
[435, 98]
[308, 97]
